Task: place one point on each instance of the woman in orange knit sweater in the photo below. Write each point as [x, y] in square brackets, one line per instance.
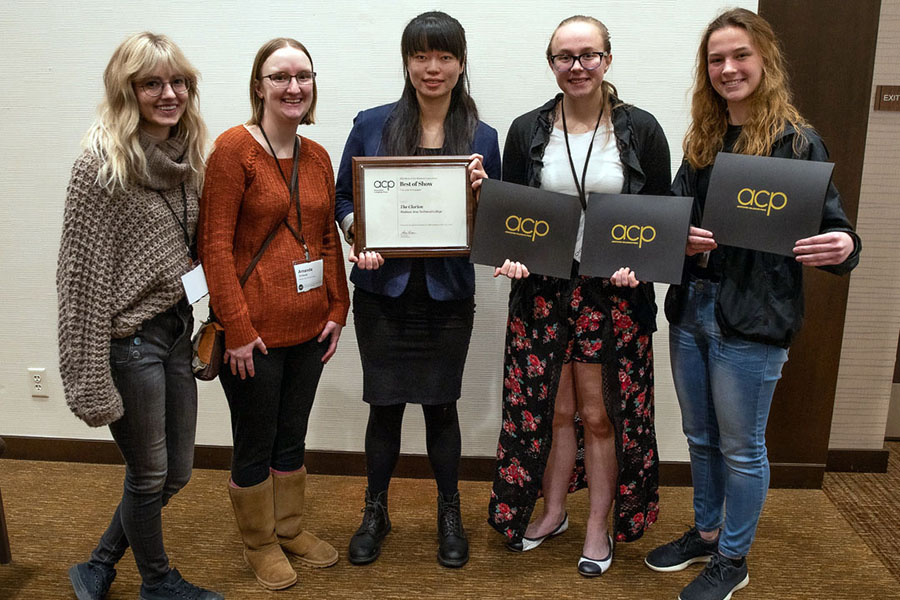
[269, 195]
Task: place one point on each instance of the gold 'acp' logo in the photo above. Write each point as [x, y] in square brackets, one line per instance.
[633, 234]
[526, 227]
[762, 200]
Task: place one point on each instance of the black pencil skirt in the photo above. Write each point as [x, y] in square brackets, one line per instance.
[413, 348]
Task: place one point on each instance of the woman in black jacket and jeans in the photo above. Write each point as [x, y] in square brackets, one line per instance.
[737, 310]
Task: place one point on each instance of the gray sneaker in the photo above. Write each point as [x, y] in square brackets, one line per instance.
[174, 586]
[91, 581]
[678, 554]
[718, 580]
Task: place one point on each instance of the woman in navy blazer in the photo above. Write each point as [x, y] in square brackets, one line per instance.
[413, 316]
[450, 278]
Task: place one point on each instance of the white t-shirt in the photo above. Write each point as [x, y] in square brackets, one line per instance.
[604, 174]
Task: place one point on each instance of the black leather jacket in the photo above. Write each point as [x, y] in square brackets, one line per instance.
[760, 295]
[643, 150]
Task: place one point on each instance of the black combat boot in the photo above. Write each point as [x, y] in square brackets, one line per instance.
[365, 545]
[454, 545]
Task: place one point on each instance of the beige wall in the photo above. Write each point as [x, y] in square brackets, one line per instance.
[873, 309]
[54, 55]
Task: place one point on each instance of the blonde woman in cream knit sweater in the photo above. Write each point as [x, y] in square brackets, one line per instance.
[124, 323]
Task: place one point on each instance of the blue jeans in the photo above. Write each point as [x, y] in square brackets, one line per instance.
[152, 371]
[270, 411]
[725, 386]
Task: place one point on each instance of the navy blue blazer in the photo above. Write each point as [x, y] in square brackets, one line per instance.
[449, 278]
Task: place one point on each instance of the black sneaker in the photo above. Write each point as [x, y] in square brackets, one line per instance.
[91, 581]
[679, 554]
[174, 586]
[718, 580]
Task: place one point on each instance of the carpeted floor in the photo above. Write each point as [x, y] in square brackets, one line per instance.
[871, 503]
[805, 548]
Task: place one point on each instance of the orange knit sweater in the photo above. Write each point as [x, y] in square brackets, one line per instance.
[244, 197]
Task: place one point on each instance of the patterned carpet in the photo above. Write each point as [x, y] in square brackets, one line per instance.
[805, 548]
[871, 503]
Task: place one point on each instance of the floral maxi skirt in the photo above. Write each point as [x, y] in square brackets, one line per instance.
[552, 321]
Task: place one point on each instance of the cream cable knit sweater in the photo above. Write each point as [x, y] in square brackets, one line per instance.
[121, 259]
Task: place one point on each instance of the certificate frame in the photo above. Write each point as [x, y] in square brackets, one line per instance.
[366, 228]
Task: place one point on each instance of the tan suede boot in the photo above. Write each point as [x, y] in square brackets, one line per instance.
[290, 496]
[254, 511]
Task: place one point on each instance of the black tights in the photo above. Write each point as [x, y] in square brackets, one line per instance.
[441, 438]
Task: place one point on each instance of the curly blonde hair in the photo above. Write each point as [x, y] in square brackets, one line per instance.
[771, 108]
[114, 135]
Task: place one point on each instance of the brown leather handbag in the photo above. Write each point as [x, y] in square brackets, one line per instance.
[209, 349]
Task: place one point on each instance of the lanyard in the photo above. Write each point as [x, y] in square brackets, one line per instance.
[192, 251]
[293, 188]
[579, 187]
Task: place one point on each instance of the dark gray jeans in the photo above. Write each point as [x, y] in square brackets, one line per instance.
[152, 370]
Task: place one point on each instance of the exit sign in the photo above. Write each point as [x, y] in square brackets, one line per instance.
[887, 97]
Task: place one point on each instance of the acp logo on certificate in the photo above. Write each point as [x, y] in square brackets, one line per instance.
[526, 227]
[383, 186]
[761, 200]
[637, 235]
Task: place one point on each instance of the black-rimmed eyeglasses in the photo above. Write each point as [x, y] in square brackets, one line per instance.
[588, 61]
[283, 80]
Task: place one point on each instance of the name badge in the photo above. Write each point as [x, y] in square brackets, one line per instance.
[194, 283]
[308, 275]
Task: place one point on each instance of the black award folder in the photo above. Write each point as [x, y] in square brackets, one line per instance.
[644, 233]
[534, 227]
[764, 203]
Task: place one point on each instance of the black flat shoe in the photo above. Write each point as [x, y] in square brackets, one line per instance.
[526, 544]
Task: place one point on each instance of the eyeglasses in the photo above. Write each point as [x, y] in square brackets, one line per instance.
[283, 80]
[588, 61]
[155, 87]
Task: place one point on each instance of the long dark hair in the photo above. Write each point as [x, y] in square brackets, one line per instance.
[432, 31]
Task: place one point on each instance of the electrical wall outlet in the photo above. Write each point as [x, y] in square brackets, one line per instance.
[37, 383]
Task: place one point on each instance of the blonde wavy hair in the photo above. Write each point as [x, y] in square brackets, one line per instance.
[608, 89]
[771, 108]
[114, 135]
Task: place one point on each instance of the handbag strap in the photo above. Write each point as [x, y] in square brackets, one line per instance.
[297, 234]
[260, 253]
[251, 266]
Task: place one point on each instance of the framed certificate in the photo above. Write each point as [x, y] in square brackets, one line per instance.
[765, 203]
[412, 205]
